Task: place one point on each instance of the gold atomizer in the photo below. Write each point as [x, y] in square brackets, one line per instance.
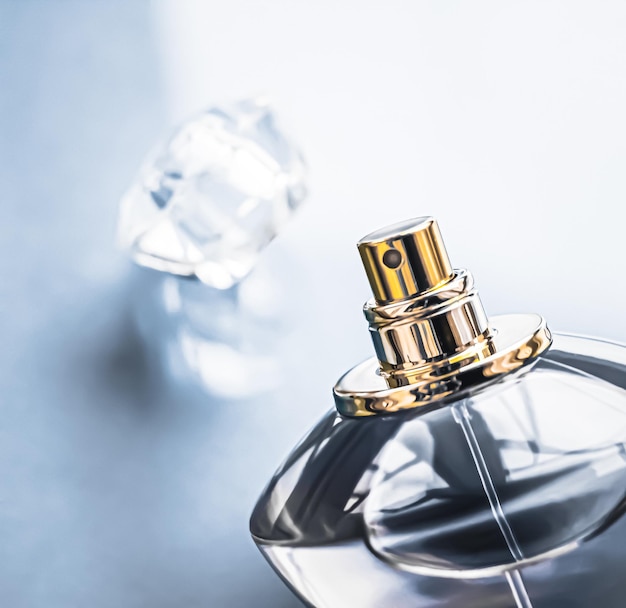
[430, 332]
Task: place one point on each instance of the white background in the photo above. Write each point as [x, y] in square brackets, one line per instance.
[505, 120]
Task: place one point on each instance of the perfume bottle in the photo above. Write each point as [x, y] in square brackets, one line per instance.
[472, 463]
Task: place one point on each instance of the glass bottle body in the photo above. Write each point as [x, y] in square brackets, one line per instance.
[519, 484]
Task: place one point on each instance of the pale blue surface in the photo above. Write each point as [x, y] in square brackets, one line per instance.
[116, 490]
[506, 120]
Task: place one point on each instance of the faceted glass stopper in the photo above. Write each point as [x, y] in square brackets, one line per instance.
[210, 198]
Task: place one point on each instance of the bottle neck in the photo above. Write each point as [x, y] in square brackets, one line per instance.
[436, 330]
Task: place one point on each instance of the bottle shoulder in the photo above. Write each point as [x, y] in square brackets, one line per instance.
[314, 496]
[603, 359]
[319, 494]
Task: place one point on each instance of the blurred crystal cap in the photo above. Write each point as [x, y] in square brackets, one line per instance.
[213, 195]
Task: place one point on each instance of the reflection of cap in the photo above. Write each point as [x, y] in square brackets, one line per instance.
[405, 259]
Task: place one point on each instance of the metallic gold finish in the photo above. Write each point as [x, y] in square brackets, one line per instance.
[430, 331]
[516, 340]
[410, 334]
[405, 259]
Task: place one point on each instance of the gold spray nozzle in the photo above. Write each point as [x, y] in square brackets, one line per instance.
[423, 312]
[405, 259]
[432, 337]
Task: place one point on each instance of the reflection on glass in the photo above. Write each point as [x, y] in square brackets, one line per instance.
[518, 486]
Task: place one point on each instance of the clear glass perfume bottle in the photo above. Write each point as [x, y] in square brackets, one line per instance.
[473, 463]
